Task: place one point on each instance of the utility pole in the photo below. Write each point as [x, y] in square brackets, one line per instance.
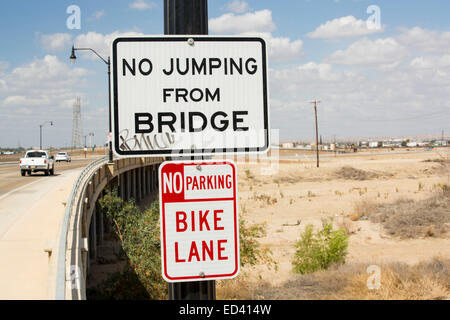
[316, 102]
[188, 18]
[335, 147]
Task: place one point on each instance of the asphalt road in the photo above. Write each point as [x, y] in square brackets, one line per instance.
[11, 179]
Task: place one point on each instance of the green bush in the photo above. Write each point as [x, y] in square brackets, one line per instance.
[140, 238]
[251, 251]
[318, 250]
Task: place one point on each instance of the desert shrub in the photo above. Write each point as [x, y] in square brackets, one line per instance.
[265, 198]
[140, 238]
[318, 250]
[445, 188]
[399, 281]
[248, 174]
[350, 173]
[251, 251]
[363, 209]
[407, 218]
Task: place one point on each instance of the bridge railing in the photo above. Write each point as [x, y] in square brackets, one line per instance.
[134, 177]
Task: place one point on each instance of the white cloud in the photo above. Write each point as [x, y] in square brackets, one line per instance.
[283, 49]
[42, 82]
[259, 24]
[49, 69]
[426, 40]
[345, 27]
[40, 90]
[280, 49]
[357, 104]
[229, 23]
[431, 62]
[237, 6]
[382, 52]
[142, 5]
[26, 101]
[55, 41]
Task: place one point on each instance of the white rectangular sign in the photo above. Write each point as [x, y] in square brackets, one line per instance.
[178, 95]
[199, 220]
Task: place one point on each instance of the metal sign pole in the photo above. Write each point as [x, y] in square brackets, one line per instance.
[188, 17]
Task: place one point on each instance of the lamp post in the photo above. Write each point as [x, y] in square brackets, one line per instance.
[108, 63]
[40, 132]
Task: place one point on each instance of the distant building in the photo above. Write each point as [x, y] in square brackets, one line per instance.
[439, 143]
[373, 144]
[422, 144]
[288, 145]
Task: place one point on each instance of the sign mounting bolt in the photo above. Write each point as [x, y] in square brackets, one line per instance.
[202, 275]
[190, 41]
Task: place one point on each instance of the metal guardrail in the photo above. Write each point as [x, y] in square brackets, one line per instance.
[69, 269]
[62, 242]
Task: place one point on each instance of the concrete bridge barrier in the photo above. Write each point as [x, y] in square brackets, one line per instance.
[82, 228]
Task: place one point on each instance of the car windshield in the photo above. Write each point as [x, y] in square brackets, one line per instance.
[35, 154]
[61, 154]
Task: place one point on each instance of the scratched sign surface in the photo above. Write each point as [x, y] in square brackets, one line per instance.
[179, 95]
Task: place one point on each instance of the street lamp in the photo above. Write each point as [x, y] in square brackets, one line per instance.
[73, 58]
[40, 132]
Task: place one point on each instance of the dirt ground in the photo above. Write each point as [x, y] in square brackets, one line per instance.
[297, 193]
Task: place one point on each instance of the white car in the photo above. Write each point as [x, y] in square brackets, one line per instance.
[63, 156]
[37, 161]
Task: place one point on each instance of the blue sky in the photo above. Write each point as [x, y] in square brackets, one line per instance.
[393, 80]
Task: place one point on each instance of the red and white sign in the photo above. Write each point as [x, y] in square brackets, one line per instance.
[199, 220]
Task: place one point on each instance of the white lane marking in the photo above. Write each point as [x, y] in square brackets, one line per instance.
[18, 189]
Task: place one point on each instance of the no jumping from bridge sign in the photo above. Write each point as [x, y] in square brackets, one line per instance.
[177, 95]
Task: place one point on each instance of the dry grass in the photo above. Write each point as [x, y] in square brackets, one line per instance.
[346, 224]
[240, 288]
[265, 198]
[398, 281]
[363, 208]
[350, 173]
[292, 179]
[415, 219]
